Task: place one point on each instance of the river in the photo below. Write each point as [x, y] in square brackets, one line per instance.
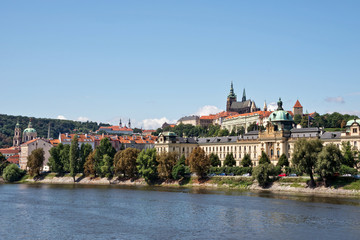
[40, 211]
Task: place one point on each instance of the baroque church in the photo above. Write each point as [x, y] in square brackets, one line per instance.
[245, 106]
[28, 134]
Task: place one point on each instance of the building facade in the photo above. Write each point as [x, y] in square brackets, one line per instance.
[244, 106]
[29, 146]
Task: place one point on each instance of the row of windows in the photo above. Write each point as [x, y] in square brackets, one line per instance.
[228, 148]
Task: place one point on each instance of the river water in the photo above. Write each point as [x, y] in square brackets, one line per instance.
[30, 211]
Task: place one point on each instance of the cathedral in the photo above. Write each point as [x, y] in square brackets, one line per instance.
[28, 134]
[245, 106]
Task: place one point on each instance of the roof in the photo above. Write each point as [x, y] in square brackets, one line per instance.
[305, 130]
[261, 113]
[10, 150]
[351, 122]
[240, 105]
[218, 115]
[280, 116]
[55, 142]
[116, 128]
[13, 159]
[331, 135]
[28, 142]
[218, 139]
[188, 118]
[297, 104]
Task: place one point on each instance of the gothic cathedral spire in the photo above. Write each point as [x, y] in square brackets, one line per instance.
[244, 96]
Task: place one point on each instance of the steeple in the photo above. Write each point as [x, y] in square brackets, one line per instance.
[129, 123]
[265, 106]
[244, 96]
[232, 94]
[120, 124]
[17, 135]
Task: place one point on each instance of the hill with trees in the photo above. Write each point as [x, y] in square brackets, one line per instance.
[8, 122]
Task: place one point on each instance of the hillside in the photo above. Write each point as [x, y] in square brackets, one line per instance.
[8, 122]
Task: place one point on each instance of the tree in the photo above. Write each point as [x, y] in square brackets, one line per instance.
[12, 173]
[214, 159]
[229, 160]
[104, 147]
[297, 119]
[107, 168]
[89, 166]
[55, 163]
[304, 121]
[147, 165]
[223, 133]
[74, 157]
[348, 153]
[264, 158]
[199, 162]
[329, 161]
[65, 157]
[246, 161]
[35, 162]
[180, 169]
[283, 161]
[305, 156]
[3, 163]
[166, 163]
[262, 173]
[85, 150]
[125, 162]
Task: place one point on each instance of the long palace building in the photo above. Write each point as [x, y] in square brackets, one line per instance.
[278, 138]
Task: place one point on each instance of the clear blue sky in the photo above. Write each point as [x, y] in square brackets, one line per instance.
[101, 60]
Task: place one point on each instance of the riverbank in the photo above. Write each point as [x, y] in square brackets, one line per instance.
[284, 185]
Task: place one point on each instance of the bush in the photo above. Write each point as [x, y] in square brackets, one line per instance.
[12, 173]
[347, 170]
[277, 170]
[237, 171]
[262, 173]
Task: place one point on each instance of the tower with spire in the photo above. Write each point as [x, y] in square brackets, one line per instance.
[17, 135]
[244, 96]
[265, 106]
[129, 123]
[120, 123]
[231, 98]
[298, 109]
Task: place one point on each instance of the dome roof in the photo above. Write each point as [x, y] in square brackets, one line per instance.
[349, 123]
[29, 130]
[280, 115]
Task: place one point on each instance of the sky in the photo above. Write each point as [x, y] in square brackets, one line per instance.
[157, 61]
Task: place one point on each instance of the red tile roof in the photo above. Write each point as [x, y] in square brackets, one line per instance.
[28, 142]
[13, 159]
[11, 150]
[218, 115]
[297, 104]
[117, 128]
[261, 113]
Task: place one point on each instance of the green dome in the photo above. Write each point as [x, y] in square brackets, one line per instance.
[349, 123]
[29, 130]
[280, 116]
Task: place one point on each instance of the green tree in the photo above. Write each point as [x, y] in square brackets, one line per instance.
[262, 173]
[125, 162]
[199, 162]
[304, 122]
[147, 165]
[65, 157]
[3, 163]
[297, 118]
[305, 156]
[180, 169]
[74, 156]
[104, 147]
[264, 158]
[55, 163]
[214, 159]
[348, 153]
[89, 166]
[233, 133]
[329, 161]
[246, 161]
[283, 161]
[85, 150]
[223, 133]
[229, 160]
[35, 162]
[166, 162]
[12, 173]
[107, 168]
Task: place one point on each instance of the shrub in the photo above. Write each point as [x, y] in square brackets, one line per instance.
[12, 173]
[347, 170]
[262, 173]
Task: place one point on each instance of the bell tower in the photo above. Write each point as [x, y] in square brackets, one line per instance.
[17, 135]
[231, 98]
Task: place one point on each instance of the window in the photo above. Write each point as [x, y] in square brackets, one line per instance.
[354, 130]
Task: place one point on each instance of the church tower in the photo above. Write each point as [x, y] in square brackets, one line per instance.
[17, 135]
[265, 106]
[244, 96]
[298, 109]
[120, 124]
[29, 133]
[129, 123]
[231, 98]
